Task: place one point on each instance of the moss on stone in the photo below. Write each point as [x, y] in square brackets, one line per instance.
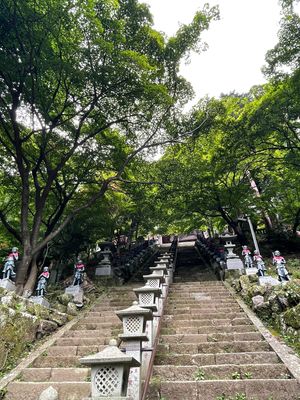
[292, 317]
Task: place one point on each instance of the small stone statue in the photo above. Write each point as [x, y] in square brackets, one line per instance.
[279, 262]
[257, 258]
[9, 266]
[248, 259]
[42, 282]
[79, 270]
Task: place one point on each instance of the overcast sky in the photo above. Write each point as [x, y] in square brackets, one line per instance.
[237, 42]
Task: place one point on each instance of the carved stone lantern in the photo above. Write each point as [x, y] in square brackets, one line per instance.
[134, 320]
[159, 269]
[233, 261]
[110, 372]
[105, 266]
[148, 298]
[154, 280]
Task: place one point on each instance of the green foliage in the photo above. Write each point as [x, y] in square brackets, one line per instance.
[85, 87]
[199, 375]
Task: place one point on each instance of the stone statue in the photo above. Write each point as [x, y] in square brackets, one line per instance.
[257, 258]
[42, 282]
[9, 266]
[247, 257]
[79, 270]
[279, 262]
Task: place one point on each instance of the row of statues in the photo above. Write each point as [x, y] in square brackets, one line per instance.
[257, 261]
[9, 272]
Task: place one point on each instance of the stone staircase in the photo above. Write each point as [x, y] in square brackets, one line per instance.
[210, 350]
[59, 366]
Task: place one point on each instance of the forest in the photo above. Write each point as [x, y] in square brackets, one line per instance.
[96, 141]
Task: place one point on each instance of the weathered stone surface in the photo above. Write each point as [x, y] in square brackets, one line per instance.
[71, 309]
[49, 394]
[60, 307]
[257, 301]
[58, 317]
[46, 327]
[292, 317]
[65, 298]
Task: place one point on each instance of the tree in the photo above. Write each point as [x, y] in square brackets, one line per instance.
[85, 87]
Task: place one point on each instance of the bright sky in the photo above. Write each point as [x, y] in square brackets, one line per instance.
[237, 42]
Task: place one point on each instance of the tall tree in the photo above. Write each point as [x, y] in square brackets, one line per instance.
[85, 85]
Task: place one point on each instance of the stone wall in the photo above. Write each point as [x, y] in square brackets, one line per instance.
[278, 305]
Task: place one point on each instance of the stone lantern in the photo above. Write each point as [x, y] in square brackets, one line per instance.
[110, 372]
[147, 296]
[134, 320]
[156, 280]
[233, 261]
[105, 266]
[159, 269]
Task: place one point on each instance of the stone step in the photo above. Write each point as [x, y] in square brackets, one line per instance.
[200, 338]
[187, 323]
[83, 341]
[214, 347]
[88, 333]
[202, 309]
[260, 357]
[195, 295]
[94, 326]
[56, 362]
[199, 316]
[256, 389]
[207, 301]
[32, 390]
[216, 372]
[55, 375]
[209, 329]
[69, 351]
[99, 320]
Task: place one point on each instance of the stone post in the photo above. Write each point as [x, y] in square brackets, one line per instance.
[110, 370]
[134, 321]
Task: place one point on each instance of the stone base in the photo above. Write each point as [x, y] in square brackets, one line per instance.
[40, 300]
[268, 280]
[106, 398]
[7, 284]
[104, 270]
[77, 293]
[234, 263]
[251, 271]
[73, 289]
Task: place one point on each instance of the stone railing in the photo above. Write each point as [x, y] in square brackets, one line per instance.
[119, 375]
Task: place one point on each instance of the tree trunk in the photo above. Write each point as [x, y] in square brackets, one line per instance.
[234, 225]
[30, 283]
[296, 222]
[22, 272]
